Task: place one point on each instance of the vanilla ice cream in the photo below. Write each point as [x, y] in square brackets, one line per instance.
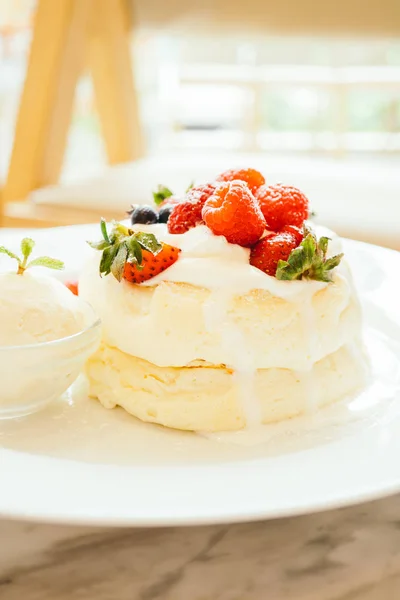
[46, 335]
[37, 308]
[215, 344]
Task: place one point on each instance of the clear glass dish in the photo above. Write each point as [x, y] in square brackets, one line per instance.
[34, 375]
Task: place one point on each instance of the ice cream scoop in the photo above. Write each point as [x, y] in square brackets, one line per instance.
[35, 307]
[46, 334]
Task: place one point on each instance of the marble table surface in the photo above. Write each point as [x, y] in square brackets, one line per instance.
[347, 554]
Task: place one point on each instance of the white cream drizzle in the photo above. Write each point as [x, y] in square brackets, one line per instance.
[238, 355]
[311, 349]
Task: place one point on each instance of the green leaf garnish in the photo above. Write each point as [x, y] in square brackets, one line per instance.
[118, 264]
[103, 227]
[123, 245]
[308, 260]
[46, 261]
[149, 242]
[161, 194]
[107, 259]
[99, 245]
[135, 250]
[4, 250]
[189, 187]
[27, 245]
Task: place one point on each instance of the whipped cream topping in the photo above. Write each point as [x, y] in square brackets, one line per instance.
[209, 261]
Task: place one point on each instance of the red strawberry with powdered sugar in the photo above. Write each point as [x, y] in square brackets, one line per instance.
[184, 216]
[187, 214]
[133, 255]
[233, 212]
[151, 265]
[253, 178]
[297, 233]
[282, 256]
[268, 251]
[282, 205]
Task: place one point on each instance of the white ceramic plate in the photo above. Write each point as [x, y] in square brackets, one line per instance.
[76, 462]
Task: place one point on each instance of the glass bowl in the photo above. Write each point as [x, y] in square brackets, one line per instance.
[34, 375]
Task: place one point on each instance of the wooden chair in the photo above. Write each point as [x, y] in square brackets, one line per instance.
[67, 34]
[71, 34]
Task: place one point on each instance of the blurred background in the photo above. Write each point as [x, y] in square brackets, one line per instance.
[310, 93]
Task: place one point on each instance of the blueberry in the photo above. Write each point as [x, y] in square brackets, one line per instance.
[145, 215]
[164, 213]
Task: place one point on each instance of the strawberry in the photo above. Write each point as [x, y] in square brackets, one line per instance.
[268, 251]
[281, 255]
[184, 216]
[309, 260]
[187, 214]
[134, 256]
[170, 201]
[201, 193]
[295, 231]
[72, 286]
[233, 212]
[152, 264]
[282, 205]
[253, 178]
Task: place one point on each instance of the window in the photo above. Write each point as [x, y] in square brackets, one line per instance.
[312, 96]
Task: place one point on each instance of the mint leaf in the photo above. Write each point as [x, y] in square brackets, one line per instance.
[161, 194]
[4, 250]
[189, 187]
[46, 261]
[27, 245]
